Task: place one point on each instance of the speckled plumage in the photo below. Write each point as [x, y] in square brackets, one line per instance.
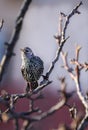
[32, 67]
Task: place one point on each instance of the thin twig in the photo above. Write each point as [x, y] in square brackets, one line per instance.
[81, 66]
[74, 11]
[84, 123]
[1, 24]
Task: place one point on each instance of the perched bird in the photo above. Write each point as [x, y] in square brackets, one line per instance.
[32, 68]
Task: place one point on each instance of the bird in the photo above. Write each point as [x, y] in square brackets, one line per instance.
[32, 68]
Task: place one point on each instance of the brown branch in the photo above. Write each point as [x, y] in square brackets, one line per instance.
[84, 123]
[14, 37]
[44, 83]
[11, 114]
[82, 98]
[61, 39]
[81, 66]
[1, 24]
[77, 81]
[66, 66]
[76, 78]
[53, 109]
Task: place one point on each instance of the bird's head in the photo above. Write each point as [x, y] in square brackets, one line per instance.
[27, 52]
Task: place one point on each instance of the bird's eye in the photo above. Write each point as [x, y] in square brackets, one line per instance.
[27, 50]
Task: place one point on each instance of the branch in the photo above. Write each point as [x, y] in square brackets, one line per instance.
[1, 24]
[44, 114]
[62, 33]
[81, 66]
[61, 39]
[14, 37]
[84, 123]
[66, 66]
[26, 116]
[73, 12]
[52, 109]
[76, 78]
[56, 58]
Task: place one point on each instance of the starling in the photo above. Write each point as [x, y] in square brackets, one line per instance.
[32, 68]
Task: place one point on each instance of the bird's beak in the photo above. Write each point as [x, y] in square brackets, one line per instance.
[22, 50]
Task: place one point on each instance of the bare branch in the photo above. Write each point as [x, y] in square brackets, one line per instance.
[76, 78]
[53, 109]
[61, 37]
[74, 11]
[1, 24]
[81, 66]
[56, 58]
[66, 66]
[84, 123]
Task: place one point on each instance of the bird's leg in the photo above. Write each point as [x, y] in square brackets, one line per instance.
[28, 88]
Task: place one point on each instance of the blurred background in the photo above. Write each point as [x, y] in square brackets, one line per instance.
[39, 26]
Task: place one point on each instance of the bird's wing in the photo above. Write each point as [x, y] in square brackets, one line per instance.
[37, 65]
